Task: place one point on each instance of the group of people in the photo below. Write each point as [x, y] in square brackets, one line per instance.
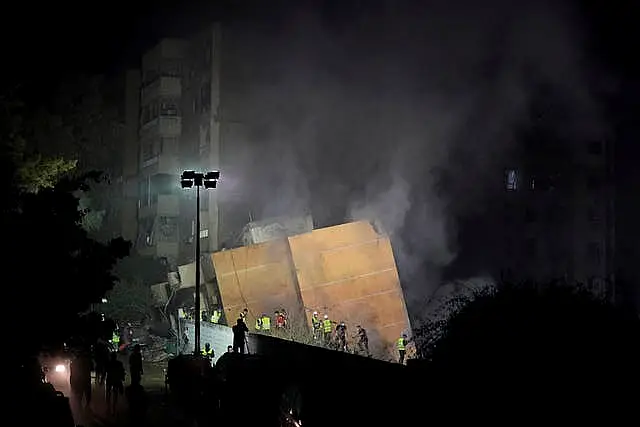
[326, 332]
[110, 373]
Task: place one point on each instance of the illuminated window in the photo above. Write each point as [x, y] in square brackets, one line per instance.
[512, 180]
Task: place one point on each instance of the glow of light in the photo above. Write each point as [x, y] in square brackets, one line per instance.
[61, 368]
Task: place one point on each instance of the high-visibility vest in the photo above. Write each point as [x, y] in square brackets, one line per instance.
[116, 338]
[258, 324]
[327, 326]
[207, 353]
[266, 323]
[215, 317]
[400, 344]
[316, 322]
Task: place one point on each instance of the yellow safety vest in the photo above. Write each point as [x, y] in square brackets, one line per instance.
[116, 338]
[316, 322]
[266, 323]
[327, 325]
[207, 353]
[215, 317]
[258, 324]
[400, 344]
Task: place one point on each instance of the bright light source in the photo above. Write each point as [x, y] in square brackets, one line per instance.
[104, 300]
[61, 368]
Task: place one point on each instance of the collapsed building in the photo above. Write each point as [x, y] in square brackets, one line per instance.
[347, 272]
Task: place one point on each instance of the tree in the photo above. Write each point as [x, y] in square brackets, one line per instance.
[54, 270]
[531, 347]
[129, 301]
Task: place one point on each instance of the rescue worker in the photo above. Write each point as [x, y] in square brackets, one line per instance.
[317, 326]
[115, 382]
[243, 315]
[402, 348]
[207, 351]
[204, 316]
[363, 341]
[115, 340]
[326, 329]
[266, 323]
[239, 336]
[341, 336]
[279, 318]
[215, 317]
[258, 324]
[285, 317]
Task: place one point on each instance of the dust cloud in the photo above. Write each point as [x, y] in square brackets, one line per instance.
[361, 116]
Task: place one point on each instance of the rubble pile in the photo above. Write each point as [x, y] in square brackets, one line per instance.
[156, 349]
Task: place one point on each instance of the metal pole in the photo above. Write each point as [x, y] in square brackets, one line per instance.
[197, 237]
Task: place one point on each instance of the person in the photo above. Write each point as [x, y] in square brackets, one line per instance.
[135, 365]
[363, 341]
[326, 329]
[215, 317]
[115, 382]
[265, 323]
[341, 336]
[229, 349]
[137, 402]
[80, 378]
[402, 348]
[317, 324]
[258, 324]
[101, 357]
[239, 336]
[243, 315]
[207, 351]
[279, 318]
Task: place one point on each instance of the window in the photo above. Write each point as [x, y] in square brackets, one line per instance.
[169, 109]
[204, 233]
[512, 180]
[595, 148]
[530, 247]
[594, 181]
[530, 215]
[594, 253]
[162, 183]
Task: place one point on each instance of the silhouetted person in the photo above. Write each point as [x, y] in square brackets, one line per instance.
[341, 336]
[239, 336]
[115, 381]
[138, 403]
[80, 378]
[363, 341]
[101, 356]
[135, 365]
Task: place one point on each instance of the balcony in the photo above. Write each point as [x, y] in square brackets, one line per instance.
[162, 163]
[162, 126]
[165, 205]
[162, 87]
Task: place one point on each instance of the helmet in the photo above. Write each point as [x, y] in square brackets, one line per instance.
[315, 313]
[326, 316]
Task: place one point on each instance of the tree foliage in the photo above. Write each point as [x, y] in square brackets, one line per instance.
[54, 270]
[129, 301]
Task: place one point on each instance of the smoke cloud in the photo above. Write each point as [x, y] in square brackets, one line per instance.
[362, 116]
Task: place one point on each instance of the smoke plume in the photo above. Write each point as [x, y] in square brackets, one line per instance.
[359, 112]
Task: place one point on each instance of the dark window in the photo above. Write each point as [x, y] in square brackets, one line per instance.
[594, 253]
[163, 183]
[530, 247]
[594, 181]
[169, 109]
[595, 148]
[530, 215]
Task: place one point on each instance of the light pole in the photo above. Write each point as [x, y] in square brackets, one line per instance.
[188, 179]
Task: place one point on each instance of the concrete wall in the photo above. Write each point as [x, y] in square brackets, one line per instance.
[258, 277]
[219, 336]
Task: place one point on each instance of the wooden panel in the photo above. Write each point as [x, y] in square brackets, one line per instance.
[258, 277]
[349, 273]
